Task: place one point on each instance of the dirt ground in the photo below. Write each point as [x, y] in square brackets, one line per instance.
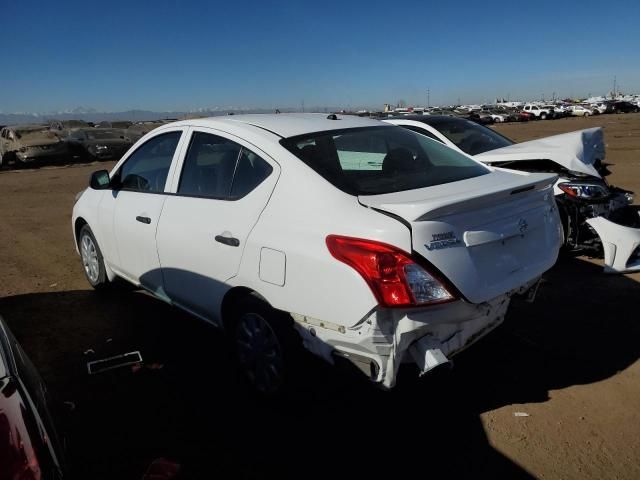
[569, 361]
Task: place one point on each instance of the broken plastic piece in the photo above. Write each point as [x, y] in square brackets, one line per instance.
[126, 359]
[520, 414]
[427, 354]
[620, 244]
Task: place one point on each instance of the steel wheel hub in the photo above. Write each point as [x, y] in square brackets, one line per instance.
[89, 255]
[259, 353]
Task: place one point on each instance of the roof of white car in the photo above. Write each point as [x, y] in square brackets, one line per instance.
[290, 124]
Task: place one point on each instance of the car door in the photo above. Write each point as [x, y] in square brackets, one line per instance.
[130, 213]
[221, 189]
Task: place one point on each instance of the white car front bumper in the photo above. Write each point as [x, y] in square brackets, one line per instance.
[621, 245]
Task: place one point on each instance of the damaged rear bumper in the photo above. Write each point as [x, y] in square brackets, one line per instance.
[620, 243]
[426, 337]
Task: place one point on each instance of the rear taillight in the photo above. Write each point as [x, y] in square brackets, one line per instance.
[394, 278]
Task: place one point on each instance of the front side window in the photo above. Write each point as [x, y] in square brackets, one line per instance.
[147, 168]
[378, 160]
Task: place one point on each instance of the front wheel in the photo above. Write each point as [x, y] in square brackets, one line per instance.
[543, 116]
[92, 260]
[4, 159]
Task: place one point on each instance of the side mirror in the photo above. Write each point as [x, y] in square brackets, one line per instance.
[100, 180]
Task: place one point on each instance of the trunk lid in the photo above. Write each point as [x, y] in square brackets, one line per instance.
[580, 151]
[488, 235]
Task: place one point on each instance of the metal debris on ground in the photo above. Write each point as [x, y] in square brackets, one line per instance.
[118, 361]
[151, 366]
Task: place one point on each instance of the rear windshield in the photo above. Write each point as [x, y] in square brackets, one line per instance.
[470, 137]
[378, 160]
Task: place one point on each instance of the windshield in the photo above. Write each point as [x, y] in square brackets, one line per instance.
[471, 137]
[103, 134]
[378, 160]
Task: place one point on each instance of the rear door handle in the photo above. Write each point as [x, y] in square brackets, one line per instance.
[145, 220]
[231, 241]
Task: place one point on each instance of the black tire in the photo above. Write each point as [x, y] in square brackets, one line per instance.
[92, 260]
[6, 159]
[266, 346]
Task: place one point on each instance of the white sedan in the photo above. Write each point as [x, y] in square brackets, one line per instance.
[352, 237]
[579, 111]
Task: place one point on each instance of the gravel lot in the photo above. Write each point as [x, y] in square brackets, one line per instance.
[570, 361]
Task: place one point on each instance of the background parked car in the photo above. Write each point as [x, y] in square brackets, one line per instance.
[538, 112]
[580, 111]
[98, 143]
[481, 117]
[139, 129]
[525, 116]
[594, 213]
[30, 448]
[26, 143]
[624, 107]
[63, 127]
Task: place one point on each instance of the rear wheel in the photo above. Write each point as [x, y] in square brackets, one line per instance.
[543, 116]
[265, 345]
[92, 261]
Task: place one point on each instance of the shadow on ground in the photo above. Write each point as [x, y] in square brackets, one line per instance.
[194, 411]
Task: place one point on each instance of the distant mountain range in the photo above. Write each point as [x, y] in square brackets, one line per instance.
[92, 115]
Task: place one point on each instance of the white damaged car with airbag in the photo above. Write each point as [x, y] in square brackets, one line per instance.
[598, 219]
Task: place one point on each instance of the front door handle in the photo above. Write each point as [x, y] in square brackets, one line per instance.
[231, 241]
[145, 220]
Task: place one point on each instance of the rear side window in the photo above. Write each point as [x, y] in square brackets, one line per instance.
[221, 169]
[250, 173]
[147, 168]
[378, 160]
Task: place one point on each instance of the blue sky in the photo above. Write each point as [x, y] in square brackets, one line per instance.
[172, 55]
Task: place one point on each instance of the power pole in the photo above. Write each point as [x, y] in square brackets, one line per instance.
[428, 98]
[614, 87]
